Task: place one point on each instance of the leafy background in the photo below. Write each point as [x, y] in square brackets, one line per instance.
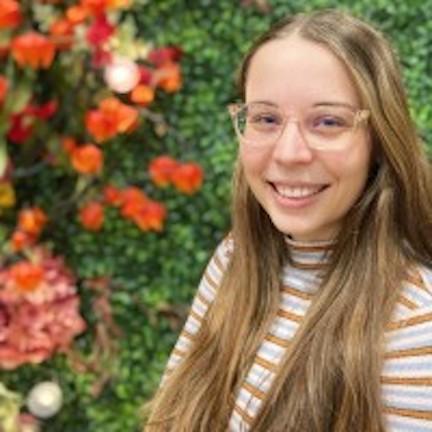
[154, 275]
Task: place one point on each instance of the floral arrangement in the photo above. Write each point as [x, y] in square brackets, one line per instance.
[39, 309]
[73, 79]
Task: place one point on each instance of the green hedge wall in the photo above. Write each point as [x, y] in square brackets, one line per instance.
[155, 275]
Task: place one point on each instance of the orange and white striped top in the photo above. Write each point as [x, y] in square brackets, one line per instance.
[407, 372]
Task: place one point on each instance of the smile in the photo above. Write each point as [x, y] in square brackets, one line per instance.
[298, 192]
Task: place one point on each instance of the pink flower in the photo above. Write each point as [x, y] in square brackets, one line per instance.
[37, 323]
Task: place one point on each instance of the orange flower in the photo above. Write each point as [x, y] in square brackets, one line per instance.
[76, 14]
[118, 4]
[34, 50]
[188, 178]
[92, 216]
[134, 199]
[112, 117]
[96, 7]
[150, 216]
[112, 195]
[20, 240]
[100, 126]
[142, 94]
[87, 159]
[4, 84]
[32, 220]
[169, 77]
[125, 115]
[161, 170]
[10, 14]
[62, 33]
[26, 275]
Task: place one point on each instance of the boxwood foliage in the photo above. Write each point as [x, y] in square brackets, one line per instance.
[154, 275]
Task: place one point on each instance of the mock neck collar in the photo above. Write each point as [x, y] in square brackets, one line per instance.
[309, 255]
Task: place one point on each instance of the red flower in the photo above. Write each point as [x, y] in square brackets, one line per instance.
[146, 75]
[100, 31]
[34, 50]
[160, 56]
[92, 216]
[43, 112]
[47, 110]
[32, 220]
[21, 126]
[161, 170]
[112, 118]
[87, 159]
[4, 84]
[26, 276]
[113, 196]
[10, 14]
[20, 129]
[188, 178]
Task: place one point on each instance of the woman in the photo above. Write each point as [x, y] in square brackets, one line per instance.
[315, 314]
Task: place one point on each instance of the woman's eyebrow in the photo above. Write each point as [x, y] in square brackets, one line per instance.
[325, 103]
[265, 102]
[334, 103]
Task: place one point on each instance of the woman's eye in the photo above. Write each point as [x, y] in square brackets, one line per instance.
[265, 119]
[329, 121]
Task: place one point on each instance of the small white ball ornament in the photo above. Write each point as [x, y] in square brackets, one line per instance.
[45, 399]
[121, 75]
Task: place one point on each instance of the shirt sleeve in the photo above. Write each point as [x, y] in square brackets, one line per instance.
[204, 297]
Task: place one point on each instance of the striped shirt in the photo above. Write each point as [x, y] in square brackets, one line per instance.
[407, 371]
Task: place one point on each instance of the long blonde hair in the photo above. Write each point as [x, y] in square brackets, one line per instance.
[329, 379]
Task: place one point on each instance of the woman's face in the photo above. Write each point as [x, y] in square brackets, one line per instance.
[305, 191]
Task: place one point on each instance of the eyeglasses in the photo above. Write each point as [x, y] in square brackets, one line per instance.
[326, 127]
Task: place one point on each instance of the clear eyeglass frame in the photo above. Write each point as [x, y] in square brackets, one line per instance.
[328, 140]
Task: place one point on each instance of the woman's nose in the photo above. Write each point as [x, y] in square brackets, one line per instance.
[291, 146]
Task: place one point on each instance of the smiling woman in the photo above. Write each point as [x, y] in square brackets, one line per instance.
[315, 312]
[308, 176]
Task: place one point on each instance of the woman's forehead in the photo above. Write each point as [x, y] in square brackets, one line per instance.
[297, 70]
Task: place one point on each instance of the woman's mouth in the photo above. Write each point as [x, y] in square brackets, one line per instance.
[297, 195]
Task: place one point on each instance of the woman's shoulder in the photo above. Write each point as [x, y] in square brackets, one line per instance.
[215, 270]
[420, 277]
[416, 296]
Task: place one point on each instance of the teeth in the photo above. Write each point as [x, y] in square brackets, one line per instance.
[297, 192]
